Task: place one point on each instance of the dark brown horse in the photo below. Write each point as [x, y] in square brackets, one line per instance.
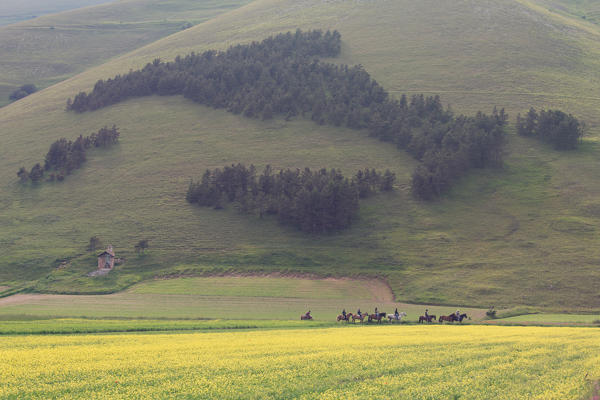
[448, 318]
[305, 317]
[452, 318]
[423, 318]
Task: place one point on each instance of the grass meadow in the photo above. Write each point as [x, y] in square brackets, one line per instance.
[521, 235]
[250, 298]
[431, 362]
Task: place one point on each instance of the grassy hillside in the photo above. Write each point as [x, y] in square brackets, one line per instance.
[52, 48]
[525, 234]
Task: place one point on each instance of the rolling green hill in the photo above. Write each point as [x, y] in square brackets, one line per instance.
[52, 48]
[524, 234]
[12, 11]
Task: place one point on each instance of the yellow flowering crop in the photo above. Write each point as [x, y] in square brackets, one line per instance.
[376, 362]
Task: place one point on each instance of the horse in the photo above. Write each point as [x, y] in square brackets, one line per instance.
[452, 318]
[423, 318]
[360, 317]
[377, 317]
[449, 318]
[341, 317]
[304, 317]
[393, 317]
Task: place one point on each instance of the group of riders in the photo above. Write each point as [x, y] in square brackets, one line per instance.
[360, 314]
[344, 316]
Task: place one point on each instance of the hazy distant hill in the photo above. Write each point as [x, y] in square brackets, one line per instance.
[525, 234]
[51, 48]
[12, 11]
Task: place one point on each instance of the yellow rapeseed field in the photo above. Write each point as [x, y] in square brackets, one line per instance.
[376, 362]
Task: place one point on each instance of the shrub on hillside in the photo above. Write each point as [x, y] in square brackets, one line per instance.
[23, 91]
[563, 131]
[64, 155]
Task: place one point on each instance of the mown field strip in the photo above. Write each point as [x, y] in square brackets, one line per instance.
[53, 326]
[555, 318]
[474, 362]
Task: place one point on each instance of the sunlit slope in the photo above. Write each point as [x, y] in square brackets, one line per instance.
[52, 48]
[522, 235]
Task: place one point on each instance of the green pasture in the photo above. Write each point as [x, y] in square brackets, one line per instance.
[524, 234]
[262, 287]
[253, 298]
[52, 48]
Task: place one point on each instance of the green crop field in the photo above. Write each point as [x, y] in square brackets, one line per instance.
[52, 326]
[432, 362]
[521, 235]
[53, 48]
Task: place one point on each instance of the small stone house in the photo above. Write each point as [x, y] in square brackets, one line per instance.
[106, 259]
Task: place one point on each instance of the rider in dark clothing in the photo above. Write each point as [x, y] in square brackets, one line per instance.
[344, 313]
[376, 312]
[359, 313]
[396, 313]
[427, 314]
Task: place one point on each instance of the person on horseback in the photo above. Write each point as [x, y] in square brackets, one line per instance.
[376, 312]
[457, 315]
[344, 314]
[396, 314]
[308, 313]
[427, 315]
[359, 313]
